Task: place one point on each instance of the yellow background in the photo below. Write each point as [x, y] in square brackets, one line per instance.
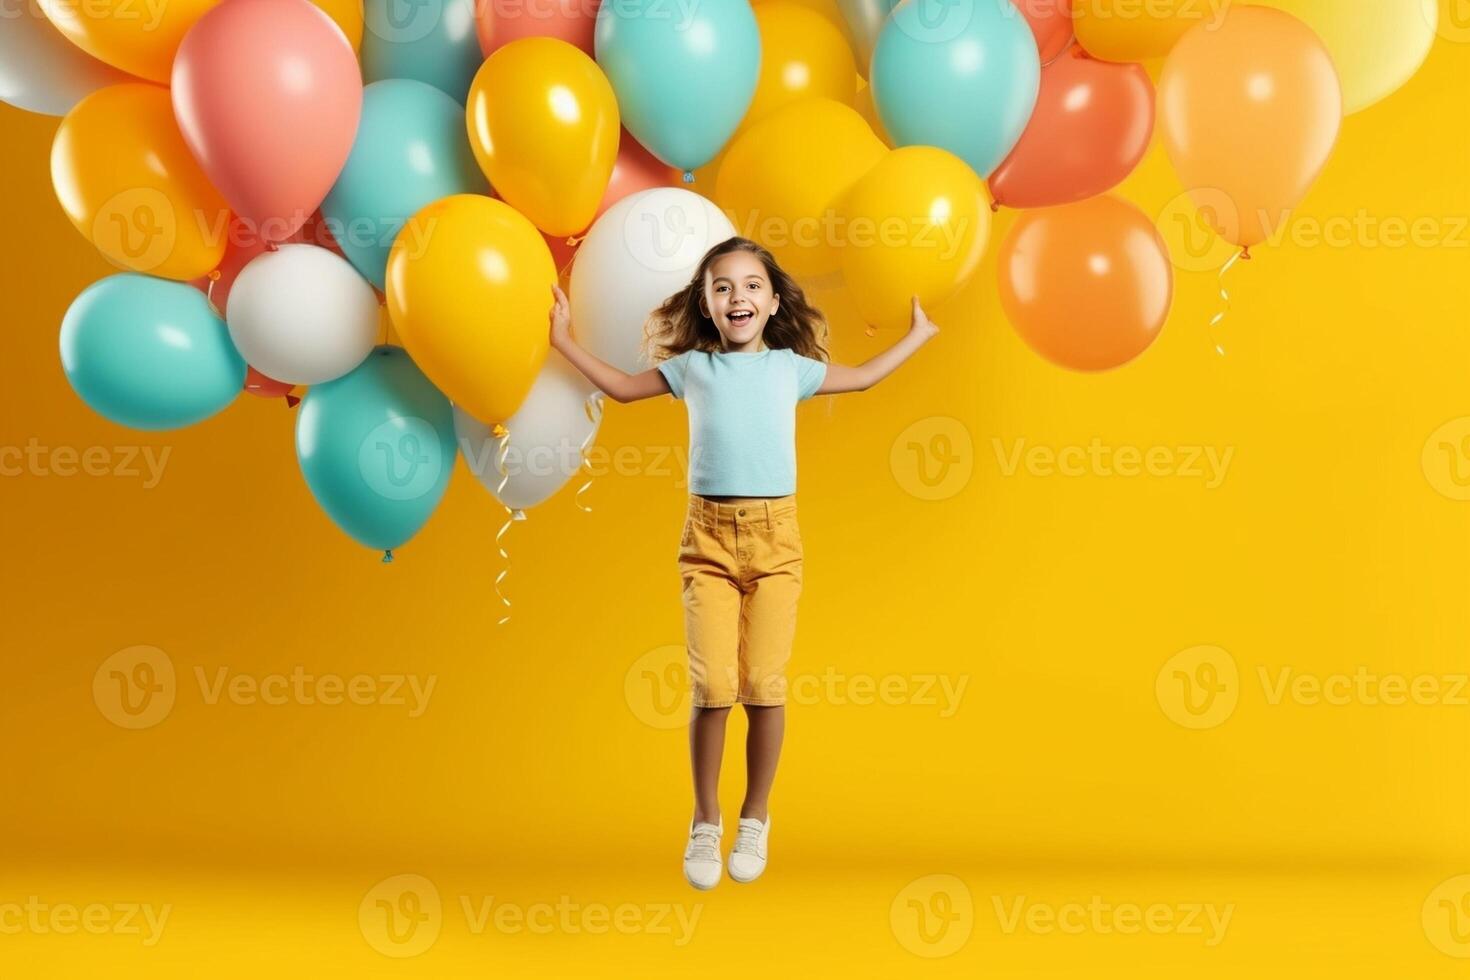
[1334, 541]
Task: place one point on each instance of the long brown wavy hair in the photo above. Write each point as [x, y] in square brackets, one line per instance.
[679, 325]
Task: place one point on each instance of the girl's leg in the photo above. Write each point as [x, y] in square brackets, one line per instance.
[762, 750]
[706, 747]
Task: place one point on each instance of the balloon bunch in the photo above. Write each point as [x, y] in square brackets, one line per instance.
[285, 182]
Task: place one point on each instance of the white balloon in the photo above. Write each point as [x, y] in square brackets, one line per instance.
[302, 315]
[640, 252]
[546, 436]
[41, 71]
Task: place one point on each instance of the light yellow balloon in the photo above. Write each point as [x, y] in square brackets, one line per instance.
[348, 15]
[126, 179]
[916, 224]
[1376, 47]
[469, 287]
[1134, 30]
[803, 55]
[543, 122]
[780, 177]
[138, 36]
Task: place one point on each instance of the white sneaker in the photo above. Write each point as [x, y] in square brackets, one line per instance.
[702, 856]
[752, 843]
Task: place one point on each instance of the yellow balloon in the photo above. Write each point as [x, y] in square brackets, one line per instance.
[863, 103]
[543, 122]
[127, 181]
[803, 55]
[1133, 30]
[780, 177]
[1249, 113]
[916, 224]
[469, 287]
[348, 15]
[1376, 47]
[138, 36]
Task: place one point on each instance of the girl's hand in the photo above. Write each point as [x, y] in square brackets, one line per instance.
[921, 326]
[560, 317]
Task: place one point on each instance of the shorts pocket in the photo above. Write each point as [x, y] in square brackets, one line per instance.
[687, 537]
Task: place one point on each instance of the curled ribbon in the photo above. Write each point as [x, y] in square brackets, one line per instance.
[209, 294]
[515, 514]
[593, 407]
[1225, 295]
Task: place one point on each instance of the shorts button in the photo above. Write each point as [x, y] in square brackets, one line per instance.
[742, 513]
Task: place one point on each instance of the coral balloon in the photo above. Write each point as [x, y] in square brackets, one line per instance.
[916, 224]
[1091, 127]
[268, 96]
[781, 177]
[803, 55]
[470, 301]
[128, 183]
[140, 38]
[1127, 30]
[1249, 114]
[543, 122]
[572, 21]
[1051, 22]
[1088, 285]
[1376, 47]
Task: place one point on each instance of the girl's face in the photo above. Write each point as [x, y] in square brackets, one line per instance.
[738, 297]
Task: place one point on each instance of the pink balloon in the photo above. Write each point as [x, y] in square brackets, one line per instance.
[573, 21]
[268, 95]
[1051, 22]
[635, 169]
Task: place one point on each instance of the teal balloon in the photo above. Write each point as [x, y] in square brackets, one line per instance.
[683, 79]
[149, 353]
[377, 448]
[431, 41]
[411, 150]
[961, 75]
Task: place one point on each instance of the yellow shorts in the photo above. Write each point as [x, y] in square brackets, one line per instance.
[740, 561]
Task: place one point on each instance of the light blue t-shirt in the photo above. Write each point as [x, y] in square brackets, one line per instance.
[742, 417]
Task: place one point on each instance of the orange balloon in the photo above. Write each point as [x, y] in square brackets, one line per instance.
[1086, 285]
[1249, 113]
[126, 179]
[1090, 128]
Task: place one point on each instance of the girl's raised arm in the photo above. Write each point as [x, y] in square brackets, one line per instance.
[617, 384]
[843, 377]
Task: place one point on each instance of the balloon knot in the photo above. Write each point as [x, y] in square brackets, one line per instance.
[1245, 253]
[871, 331]
[994, 207]
[499, 431]
[292, 401]
[387, 556]
[214, 276]
[272, 247]
[688, 176]
[518, 514]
